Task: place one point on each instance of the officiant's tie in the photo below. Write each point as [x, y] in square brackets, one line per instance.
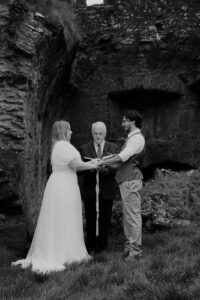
[99, 154]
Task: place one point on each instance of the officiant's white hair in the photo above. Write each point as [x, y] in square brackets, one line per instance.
[59, 130]
[99, 124]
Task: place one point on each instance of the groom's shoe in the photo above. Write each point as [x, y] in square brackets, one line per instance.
[125, 253]
[133, 258]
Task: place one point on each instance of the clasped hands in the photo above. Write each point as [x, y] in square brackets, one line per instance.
[99, 164]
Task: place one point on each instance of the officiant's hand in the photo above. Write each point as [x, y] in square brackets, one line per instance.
[103, 169]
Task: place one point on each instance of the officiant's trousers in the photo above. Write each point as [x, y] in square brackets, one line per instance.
[105, 212]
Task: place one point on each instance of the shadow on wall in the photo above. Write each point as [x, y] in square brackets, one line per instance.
[140, 98]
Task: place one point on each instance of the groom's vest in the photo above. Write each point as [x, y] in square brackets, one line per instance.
[129, 170]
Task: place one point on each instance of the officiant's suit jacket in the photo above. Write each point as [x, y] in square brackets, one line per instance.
[107, 182]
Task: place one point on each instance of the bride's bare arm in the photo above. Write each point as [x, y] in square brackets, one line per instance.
[80, 165]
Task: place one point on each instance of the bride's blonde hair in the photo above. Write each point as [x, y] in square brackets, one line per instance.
[59, 131]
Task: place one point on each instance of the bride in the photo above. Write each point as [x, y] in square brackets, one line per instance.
[58, 239]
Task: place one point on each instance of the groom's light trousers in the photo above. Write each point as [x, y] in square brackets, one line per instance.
[132, 221]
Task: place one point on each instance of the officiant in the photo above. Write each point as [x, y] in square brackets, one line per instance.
[98, 189]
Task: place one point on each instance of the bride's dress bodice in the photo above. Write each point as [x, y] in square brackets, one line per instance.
[62, 154]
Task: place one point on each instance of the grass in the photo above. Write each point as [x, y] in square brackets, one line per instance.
[169, 269]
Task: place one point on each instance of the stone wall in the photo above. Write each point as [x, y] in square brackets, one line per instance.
[131, 16]
[145, 56]
[34, 66]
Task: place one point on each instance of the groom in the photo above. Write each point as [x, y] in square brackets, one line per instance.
[97, 148]
[129, 178]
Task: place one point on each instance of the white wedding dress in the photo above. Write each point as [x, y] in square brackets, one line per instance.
[58, 239]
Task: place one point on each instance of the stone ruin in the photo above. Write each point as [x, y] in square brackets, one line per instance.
[35, 64]
[142, 55]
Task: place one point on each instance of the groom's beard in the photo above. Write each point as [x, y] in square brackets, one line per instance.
[128, 130]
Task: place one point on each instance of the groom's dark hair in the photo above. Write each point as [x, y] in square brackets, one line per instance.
[134, 115]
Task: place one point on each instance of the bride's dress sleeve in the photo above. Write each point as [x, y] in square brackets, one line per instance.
[64, 152]
[70, 156]
[80, 165]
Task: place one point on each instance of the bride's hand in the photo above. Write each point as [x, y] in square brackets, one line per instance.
[94, 162]
[100, 163]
